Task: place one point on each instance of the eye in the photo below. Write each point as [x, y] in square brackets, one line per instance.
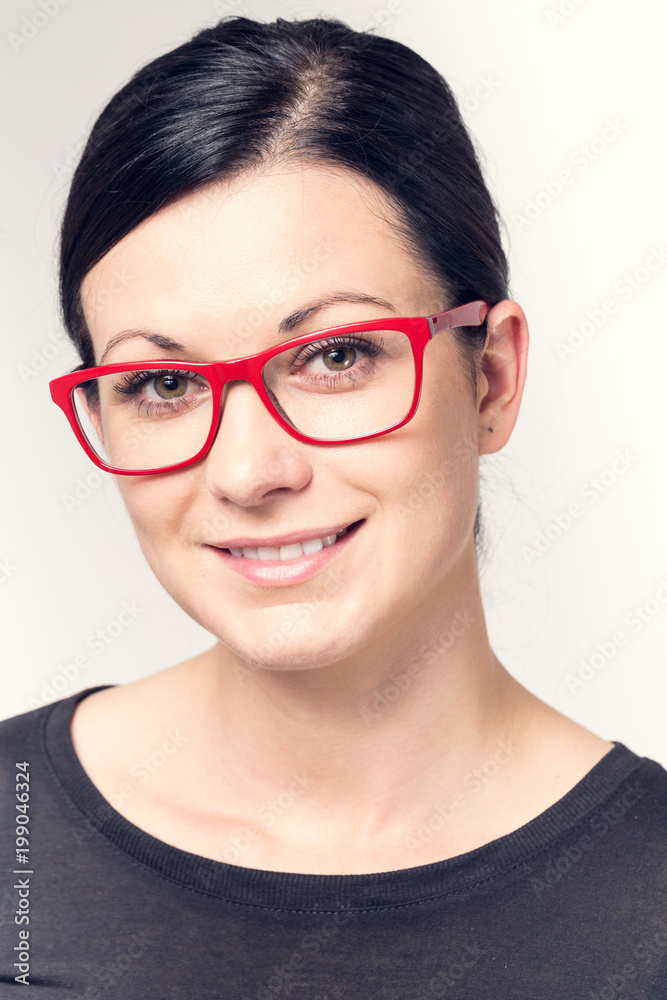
[337, 353]
[167, 385]
[170, 385]
[339, 358]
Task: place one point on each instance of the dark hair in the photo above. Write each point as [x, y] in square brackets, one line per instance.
[243, 92]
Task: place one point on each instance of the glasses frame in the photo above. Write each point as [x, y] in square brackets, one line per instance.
[419, 329]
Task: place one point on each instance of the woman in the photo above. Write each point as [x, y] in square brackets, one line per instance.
[281, 263]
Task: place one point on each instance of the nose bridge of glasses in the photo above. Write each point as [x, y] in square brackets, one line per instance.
[240, 374]
[238, 370]
[235, 370]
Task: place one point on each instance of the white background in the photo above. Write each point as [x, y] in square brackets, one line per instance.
[538, 81]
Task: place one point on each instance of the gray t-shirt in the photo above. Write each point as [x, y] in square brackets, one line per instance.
[571, 906]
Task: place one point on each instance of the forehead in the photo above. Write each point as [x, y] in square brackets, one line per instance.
[264, 242]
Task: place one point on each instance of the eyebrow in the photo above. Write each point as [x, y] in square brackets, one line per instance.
[285, 326]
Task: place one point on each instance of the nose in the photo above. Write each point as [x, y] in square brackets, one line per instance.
[252, 457]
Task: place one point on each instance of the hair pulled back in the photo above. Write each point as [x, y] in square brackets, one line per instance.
[243, 92]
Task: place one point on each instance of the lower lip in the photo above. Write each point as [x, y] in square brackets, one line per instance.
[275, 573]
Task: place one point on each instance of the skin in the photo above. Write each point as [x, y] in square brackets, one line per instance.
[361, 680]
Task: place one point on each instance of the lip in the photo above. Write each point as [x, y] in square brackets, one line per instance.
[276, 573]
[275, 541]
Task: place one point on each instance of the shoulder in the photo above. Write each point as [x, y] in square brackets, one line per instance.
[21, 735]
[23, 728]
[625, 832]
[637, 804]
[642, 797]
[112, 729]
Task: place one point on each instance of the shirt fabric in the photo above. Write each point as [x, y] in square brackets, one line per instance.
[572, 905]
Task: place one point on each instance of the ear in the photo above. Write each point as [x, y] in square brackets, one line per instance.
[503, 374]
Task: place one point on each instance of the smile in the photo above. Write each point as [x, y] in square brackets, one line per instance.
[283, 565]
[286, 552]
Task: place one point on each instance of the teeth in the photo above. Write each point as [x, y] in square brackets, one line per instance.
[292, 551]
[311, 546]
[267, 553]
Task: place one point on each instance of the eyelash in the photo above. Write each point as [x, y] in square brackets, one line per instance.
[309, 351]
[133, 381]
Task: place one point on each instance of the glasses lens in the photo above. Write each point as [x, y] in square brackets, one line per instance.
[343, 386]
[145, 418]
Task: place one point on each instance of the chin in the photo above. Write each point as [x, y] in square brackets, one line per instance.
[291, 654]
[297, 636]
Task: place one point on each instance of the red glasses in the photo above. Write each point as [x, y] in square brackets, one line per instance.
[336, 386]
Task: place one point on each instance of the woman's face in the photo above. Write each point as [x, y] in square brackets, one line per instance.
[217, 271]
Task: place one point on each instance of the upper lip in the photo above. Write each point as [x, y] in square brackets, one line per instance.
[275, 541]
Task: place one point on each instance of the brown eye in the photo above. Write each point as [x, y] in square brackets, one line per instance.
[170, 386]
[340, 356]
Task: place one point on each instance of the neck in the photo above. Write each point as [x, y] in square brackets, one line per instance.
[371, 737]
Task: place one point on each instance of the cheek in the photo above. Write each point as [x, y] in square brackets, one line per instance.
[439, 459]
[158, 508]
[424, 480]
[435, 500]
[435, 481]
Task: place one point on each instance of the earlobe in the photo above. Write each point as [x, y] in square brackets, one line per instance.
[503, 367]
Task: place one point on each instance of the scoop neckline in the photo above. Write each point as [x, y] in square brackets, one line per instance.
[305, 892]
